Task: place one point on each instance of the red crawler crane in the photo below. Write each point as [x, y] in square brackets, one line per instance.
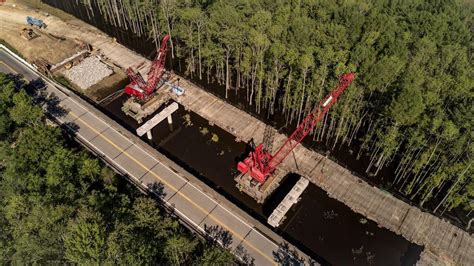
[261, 164]
[141, 89]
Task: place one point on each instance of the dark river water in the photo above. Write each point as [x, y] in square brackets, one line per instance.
[322, 227]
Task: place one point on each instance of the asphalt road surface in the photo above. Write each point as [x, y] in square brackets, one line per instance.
[191, 204]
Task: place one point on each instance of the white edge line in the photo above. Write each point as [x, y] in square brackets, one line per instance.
[252, 227]
[133, 143]
[170, 205]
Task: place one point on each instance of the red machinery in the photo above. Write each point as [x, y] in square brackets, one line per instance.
[260, 164]
[141, 89]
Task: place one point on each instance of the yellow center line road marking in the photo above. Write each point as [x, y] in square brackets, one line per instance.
[177, 191]
[9, 67]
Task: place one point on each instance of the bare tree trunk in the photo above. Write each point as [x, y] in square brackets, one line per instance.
[227, 73]
[451, 188]
[166, 11]
[199, 52]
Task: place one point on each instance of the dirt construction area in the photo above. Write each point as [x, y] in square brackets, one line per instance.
[63, 37]
[46, 45]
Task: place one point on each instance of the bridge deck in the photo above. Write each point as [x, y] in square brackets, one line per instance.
[189, 201]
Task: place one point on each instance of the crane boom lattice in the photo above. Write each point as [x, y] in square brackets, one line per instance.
[260, 163]
[138, 87]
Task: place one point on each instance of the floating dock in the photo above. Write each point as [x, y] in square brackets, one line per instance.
[278, 215]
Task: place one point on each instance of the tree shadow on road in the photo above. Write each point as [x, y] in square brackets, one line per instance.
[48, 100]
[158, 189]
[17, 79]
[244, 256]
[37, 90]
[217, 235]
[286, 256]
[71, 127]
[36, 85]
[53, 108]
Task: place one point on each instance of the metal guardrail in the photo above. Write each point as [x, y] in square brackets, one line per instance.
[167, 206]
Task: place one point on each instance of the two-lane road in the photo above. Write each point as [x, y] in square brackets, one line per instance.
[189, 201]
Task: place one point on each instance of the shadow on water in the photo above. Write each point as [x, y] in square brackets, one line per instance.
[276, 197]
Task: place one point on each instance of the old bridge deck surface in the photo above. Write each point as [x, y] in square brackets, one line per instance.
[189, 201]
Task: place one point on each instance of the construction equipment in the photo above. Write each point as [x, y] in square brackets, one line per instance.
[140, 89]
[28, 33]
[260, 164]
[35, 22]
[176, 89]
[43, 66]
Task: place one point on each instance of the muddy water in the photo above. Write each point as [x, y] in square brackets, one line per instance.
[323, 227]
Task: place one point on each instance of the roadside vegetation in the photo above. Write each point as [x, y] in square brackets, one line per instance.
[60, 205]
[410, 108]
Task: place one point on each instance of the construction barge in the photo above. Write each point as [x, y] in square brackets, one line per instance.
[259, 191]
[148, 96]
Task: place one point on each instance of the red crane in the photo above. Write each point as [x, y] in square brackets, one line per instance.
[261, 164]
[138, 87]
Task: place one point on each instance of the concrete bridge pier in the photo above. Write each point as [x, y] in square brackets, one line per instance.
[150, 124]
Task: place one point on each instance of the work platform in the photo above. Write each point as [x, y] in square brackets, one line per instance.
[279, 214]
[140, 111]
[245, 183]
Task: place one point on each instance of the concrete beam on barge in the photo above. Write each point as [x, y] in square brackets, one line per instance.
[191, 202]
[278, 215]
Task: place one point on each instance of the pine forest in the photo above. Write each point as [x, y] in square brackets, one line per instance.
[410, 109]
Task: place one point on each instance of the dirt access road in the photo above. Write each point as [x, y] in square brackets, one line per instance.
[73, 29]
[60, 40]
[13, 20]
